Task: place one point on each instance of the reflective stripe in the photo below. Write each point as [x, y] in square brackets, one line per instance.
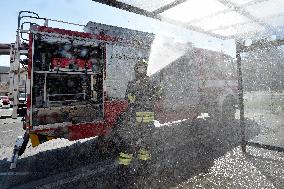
[35, 140]
[144, 155]
[124, 159]
[131, 98]
[124, 162]
[145, 117]
[124, 155]
[144, 114]
[50, 138]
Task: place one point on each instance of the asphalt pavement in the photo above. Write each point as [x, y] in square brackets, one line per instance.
[202, 154]
[5, 113]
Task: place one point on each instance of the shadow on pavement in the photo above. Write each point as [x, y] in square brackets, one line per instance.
[182, 151]
[269, 163]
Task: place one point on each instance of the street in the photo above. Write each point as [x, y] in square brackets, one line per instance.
[188, 155]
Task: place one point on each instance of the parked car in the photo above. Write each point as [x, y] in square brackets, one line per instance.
[4, 102]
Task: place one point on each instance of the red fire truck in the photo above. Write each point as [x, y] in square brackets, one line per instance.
[77, 80]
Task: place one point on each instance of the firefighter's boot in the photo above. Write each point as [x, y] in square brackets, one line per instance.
[144, 155]
[125, 159]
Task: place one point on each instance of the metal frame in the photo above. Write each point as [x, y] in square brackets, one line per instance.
[243, 12]
[240, 9]
[127, 7]
[155, 14]
[168, 6]
[227, 10]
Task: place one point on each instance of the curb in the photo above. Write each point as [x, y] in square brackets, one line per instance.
[5, 116]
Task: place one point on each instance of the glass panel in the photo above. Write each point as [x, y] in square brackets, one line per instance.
[148, 5]
[275, 21]
[267, 8]
[227, 19]
[263, 82]
[240, 29]
[194, 9]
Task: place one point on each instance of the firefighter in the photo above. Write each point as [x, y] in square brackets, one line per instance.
[137, 123]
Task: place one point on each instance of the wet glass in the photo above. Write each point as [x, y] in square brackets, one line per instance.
[214, 88]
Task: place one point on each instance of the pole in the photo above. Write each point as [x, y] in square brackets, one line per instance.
[241, 95]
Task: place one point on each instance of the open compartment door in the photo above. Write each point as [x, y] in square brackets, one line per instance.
[67, 80]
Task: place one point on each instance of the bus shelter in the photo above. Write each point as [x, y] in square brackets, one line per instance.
[257, 26]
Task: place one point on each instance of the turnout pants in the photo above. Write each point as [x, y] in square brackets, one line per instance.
[136, 138]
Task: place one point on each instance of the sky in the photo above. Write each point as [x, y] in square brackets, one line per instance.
[82, 11]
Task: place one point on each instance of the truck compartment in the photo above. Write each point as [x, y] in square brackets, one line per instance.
[67, 82]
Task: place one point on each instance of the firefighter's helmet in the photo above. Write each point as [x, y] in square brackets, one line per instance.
[140, 68]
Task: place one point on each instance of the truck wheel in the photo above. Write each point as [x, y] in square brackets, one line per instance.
[228, 110]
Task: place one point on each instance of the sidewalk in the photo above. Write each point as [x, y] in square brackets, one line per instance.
[5, 113]
[257, 169]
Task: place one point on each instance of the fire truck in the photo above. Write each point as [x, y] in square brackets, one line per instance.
[76, 81]
[194, 82]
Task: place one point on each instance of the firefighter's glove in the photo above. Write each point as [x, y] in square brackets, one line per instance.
[131, 98]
